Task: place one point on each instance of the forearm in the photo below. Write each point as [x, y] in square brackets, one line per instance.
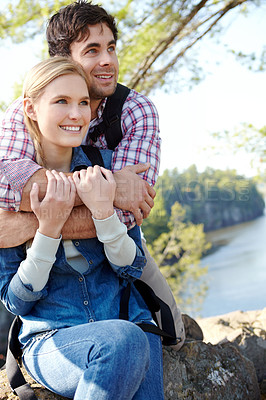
[120, 249]
[35, 269]
[16, 228]
[79, 225]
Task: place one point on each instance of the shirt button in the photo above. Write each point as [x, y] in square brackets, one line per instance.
[81, 279]
[76, 243]
[85, 302]
[91, 320]
[90, 262]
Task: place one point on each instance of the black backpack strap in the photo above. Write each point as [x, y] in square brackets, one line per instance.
[15, 377]
[123, 312]
[168, 340]
[111, 124]
[155, 304]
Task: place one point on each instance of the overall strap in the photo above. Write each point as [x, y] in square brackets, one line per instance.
[94, 155]
[111, 124]
[15, 377]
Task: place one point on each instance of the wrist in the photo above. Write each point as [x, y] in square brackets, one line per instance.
[102, 213]
[50, 231]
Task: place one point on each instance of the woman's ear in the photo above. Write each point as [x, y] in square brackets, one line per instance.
[29, 108]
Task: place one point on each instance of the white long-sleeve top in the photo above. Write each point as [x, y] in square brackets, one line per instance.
[120, 249]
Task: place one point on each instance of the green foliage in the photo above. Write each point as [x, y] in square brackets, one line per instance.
[188, 204]
[248, 138]
[213, 198]
[178, 253]
[157, 37]
[26, 18]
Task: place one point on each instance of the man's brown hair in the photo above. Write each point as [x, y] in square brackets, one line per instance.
[71, 24]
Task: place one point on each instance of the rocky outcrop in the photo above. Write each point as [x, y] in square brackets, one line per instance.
[247, 332]
[227, 365]
[199, 371]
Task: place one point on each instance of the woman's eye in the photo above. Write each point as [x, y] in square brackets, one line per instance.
[61, 101]
[85, 103]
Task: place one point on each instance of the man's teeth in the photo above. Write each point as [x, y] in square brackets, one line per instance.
[71, 128]
[104, 76]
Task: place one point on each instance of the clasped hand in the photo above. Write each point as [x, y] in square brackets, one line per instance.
[95, 186]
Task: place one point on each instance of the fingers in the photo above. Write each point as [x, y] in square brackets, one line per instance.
[138, 216]
[60, 185]
[72, 189]
[107, 174]
[151, 191]
[138, 168]
[34, 196]
[145, 209]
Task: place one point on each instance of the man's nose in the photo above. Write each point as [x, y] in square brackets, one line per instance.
[106, 58]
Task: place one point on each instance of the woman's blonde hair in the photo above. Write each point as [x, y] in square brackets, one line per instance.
[36, 80]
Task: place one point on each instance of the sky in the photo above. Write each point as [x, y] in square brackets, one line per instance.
[229, 96]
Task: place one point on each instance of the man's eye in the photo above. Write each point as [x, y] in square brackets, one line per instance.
[91, 51]
[111, 49]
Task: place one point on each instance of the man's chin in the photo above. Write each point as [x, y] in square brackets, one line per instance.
[101, 93]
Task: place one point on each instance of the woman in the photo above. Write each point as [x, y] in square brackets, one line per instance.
[67, 294]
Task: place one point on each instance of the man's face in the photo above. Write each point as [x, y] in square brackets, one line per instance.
[97, 55]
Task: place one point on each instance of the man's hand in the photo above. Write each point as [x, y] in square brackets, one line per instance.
[16, 228]
[133, 193]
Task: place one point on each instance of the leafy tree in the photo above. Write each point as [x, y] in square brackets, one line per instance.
[247, 138]
[157, 41]
[157, 36]
[178, 253]
[214, 198]
[188, 204]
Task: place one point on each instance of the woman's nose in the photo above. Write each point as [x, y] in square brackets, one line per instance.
[74, 112]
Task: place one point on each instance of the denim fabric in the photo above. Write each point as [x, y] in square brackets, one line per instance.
[107, 360]
[71, 298]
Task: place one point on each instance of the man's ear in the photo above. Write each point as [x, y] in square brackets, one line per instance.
[29, 108]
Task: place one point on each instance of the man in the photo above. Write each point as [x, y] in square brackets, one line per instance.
[88, 35]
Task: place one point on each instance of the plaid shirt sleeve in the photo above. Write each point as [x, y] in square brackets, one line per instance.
[16, 157]
[141, 142]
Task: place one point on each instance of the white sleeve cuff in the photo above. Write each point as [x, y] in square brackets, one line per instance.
[120, 249]
[35, 269]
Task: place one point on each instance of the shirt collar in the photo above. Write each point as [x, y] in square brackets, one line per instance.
[100, 110]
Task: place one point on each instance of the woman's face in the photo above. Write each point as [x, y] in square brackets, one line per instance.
[63, 111]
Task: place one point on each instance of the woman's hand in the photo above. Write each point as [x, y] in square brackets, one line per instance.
[53, 211]
[96, 188]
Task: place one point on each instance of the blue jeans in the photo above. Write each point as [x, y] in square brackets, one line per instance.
[104, 360]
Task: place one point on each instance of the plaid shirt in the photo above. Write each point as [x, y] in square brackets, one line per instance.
[140, 143]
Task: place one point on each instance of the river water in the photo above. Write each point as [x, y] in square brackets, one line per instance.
[237, 270]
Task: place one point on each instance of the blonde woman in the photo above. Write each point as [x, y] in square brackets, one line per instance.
[67, 293]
